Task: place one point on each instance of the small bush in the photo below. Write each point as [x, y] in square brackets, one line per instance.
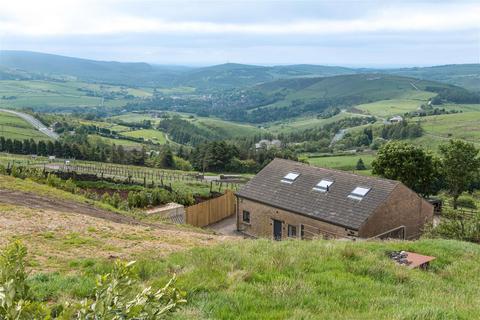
[466, 202]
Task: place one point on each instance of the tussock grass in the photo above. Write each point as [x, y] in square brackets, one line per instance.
[261, 279]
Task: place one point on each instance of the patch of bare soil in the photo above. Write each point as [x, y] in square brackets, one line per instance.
[59, 231]
[36, 201]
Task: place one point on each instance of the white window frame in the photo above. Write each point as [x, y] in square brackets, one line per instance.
[323, 186]
[290, 177]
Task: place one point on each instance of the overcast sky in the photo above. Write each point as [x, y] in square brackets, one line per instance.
[349, 33]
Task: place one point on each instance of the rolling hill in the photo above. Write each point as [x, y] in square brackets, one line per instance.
[240, 75]
[288, 98]
[61, 67]
[463, 75]
[34, 65]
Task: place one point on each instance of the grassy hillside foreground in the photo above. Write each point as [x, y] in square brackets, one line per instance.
[228, 278]
[261, 279]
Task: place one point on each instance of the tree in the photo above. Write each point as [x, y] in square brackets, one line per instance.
[459, 166]
[412, 165]
[42, 148]
[360, 165]
[166, 158]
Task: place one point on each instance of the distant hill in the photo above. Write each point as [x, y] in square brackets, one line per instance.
[463, 75]
[361, 88]
[34, 65]
[240, 75]
[289, 98]
[50, 65]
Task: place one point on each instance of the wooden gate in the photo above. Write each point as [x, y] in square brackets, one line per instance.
[211, 211]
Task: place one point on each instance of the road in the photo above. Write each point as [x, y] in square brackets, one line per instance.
[34, 122]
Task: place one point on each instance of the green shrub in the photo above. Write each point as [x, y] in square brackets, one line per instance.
[70, 186]
[466, 202]
[456, 225]
[54, 181]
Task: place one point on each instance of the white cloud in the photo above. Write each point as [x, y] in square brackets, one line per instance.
[60, 18]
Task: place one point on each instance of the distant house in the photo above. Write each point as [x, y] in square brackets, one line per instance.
[291, 199]
[267, 144]
[395, 119]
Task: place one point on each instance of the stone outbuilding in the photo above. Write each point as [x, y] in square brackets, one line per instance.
[289, 199]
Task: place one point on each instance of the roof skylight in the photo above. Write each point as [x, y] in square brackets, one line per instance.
[290, 177]
[359, 193]
[323, 185]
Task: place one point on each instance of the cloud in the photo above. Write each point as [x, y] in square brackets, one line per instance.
[59, 18]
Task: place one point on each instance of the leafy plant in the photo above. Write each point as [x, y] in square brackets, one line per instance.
[113, 297]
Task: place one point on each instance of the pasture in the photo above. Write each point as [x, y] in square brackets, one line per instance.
[118, 142]
[304, 123]
[42, 94]
[400, 106]
[155, 136]
[13, 127]
[342, 162]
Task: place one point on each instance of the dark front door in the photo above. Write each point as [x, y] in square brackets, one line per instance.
[277, 230]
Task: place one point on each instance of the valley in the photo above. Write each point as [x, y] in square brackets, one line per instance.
[130, 141]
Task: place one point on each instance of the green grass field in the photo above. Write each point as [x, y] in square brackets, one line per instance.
[37, 94]
[304, 123]
[319, 279]
[108, 125]
[343, 162]
[118, 142]
[148, 134]
[410, 101]
[225, 129]
[13, 127]
[439, 129]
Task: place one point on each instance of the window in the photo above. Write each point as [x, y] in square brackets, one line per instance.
[292, 231]
[323, 186]
[246, 216]
[302, 231]
[358, 193]
[290, 177]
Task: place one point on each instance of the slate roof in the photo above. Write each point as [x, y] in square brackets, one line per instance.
[299, 197]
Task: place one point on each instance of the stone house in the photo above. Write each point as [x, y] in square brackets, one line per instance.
[292, 199]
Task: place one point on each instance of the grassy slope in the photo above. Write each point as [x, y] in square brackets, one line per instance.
[14, 127]
[125, 143]
[365, 87]
[57, 94]
[346, 162]
[148, 134]
[226, 129]
[262, 279]
[410, 101]
[11, 183]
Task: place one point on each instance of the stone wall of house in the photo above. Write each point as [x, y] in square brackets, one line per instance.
[262, 216]
[403, 207]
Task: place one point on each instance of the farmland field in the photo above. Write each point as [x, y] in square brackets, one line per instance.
[304, 123]
[14, 127]
[343, 162]
[441, 128]
[388, 108]
[155, 136]
[226, 129]
[39, 94]
[123, 142]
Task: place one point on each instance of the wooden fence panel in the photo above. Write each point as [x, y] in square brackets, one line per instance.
[211, 211]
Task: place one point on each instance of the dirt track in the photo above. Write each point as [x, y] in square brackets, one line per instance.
[35, 201]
